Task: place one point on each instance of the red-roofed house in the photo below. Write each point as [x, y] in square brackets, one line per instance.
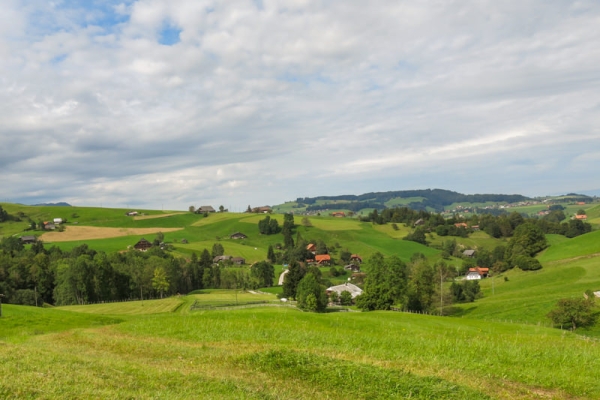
[477, 273]
[581, 217]
[323, 259]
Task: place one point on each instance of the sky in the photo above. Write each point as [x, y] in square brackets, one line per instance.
[172, 103]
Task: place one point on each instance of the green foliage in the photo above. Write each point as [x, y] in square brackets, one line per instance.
[268, 226]
[292, 279]
[465, 292]
[417, 236]
[217, 250]
[526, 263]
[311, 294]
[528, 239]
[264, 272]
[160, 281]
[574, 313]
[346, 298]
[385, 284]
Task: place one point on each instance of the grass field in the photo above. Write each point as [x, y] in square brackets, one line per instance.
[283, 353]
[91, 233]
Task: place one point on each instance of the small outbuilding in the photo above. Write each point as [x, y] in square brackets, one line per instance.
[238, 235]
[28, 239]
[219, 259]
[469, 253]
[142, 245]
[238, 260]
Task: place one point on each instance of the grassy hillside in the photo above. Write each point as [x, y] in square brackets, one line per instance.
[283, 353]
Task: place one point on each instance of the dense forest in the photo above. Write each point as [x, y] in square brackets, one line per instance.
[434, 198]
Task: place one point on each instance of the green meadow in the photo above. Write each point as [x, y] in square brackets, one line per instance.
[226, 344]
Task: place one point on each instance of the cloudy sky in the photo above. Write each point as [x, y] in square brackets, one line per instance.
[169, 103]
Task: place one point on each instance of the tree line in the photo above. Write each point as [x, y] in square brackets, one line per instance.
[37, 275]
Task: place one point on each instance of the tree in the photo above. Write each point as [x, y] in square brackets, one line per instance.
[192, 209]
[528, 239]
[292, 279]
[306, 221]
[385, 284]
[264, 272]
[346, 298]
[575, 312]
[271, 254]
[221, 208]
[417, 236]
[217, 250]
[159, 281]
[311, 295]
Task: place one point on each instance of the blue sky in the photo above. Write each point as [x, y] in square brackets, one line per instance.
[156, 103]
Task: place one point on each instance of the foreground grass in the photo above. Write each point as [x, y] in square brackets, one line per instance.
[283, 353]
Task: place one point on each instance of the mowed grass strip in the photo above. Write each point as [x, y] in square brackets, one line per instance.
[74, 233]
[139, 307]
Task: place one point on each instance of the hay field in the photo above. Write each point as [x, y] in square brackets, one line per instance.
[92, 232]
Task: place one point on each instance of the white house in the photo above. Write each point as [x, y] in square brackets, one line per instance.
[346, 287]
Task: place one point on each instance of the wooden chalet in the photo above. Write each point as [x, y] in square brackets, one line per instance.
[238, 260]
[355, 258]
[477, 273]
[28, 239]
[219, 259]
[311, 247]
[238, 235]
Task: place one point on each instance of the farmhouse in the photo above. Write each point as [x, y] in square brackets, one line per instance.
[238, 260]
[346, 287]
[339, 214]
[205, 209]
[219, 259]
[28, 239]
[477, 273]
[58, 221]
[312, 248]
[238, 235]
[131, 213]
[262, 210]
[49, 226]
[352, 267]
[356, 259]
[419, 222]
[142, 245]
[581, 217]
[461, 225]
[323, 259]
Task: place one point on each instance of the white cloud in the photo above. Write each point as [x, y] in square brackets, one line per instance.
[304, 97]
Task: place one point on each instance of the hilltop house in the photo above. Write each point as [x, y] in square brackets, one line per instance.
[205, 209]
[238, 235]
[142, 245]
[262, 210]
[131, 213]
[477, 273]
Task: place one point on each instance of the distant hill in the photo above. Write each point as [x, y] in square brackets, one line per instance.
[60, 204]
[435, 199]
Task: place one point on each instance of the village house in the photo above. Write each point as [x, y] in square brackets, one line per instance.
[352, 267]
[312, 248]
[238, 260]
[142, 245]
[219, 259]
[205, 209]
[477, 273]
[49, 226]
[581, 217]
[323, 259]
[345, 287]
[238, 235]
[356, 259]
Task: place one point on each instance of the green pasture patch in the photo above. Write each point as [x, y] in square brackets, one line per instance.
[218, 217]
[22, 322]
[336, 224]
[580, 246]
[138, 307]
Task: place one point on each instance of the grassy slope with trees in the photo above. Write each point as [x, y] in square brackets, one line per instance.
[162, 348]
